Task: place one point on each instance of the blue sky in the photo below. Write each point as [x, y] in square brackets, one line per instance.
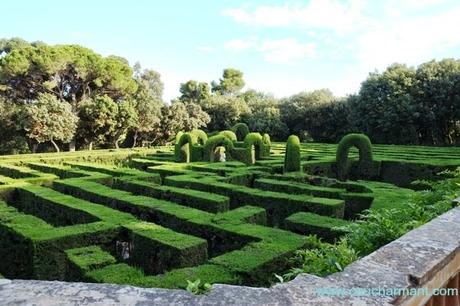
[283, 47]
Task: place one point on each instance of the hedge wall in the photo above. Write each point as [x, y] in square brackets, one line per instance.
[363, 143]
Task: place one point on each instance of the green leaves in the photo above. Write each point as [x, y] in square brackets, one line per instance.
[322, 258]
[49, 119]
[196, 287]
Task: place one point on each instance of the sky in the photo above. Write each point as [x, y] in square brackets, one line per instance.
[282, 47]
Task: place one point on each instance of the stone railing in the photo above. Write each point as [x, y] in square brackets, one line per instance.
[420, 261]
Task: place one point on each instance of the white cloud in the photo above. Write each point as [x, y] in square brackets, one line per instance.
[334, 15]
[408, 40]
[238, 45]
[286, 50]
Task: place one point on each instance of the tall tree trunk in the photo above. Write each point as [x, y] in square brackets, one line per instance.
[135, 139]
[90, 147]
[34, 147]
[55, 145]
[116, 144]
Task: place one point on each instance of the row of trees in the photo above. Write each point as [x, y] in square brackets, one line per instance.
[51, 96]
[401, 105]
[54, 96]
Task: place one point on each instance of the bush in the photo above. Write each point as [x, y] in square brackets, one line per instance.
[183, 147]
[254, 139]
[214, 142]
[292, 155]
[229, 134]
[383, 226]
[201, 136]
[178, 136]
[241, 130]
[322, 259]
[363, 143]
[267, 145]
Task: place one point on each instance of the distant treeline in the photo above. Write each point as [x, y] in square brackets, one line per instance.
[67, 96]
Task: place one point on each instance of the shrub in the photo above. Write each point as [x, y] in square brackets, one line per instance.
[267, 145]
[178, 136]
[229, 134]
[254, 139]
[383, 226]
[241, 130]
[183, 147]
[363, 143]
[292, 155]
[214, 142]
[322, 259]
[201, 136]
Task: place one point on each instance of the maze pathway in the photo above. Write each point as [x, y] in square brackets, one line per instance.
[161, 224]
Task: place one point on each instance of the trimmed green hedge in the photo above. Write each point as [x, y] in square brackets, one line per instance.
[306, 223]
[278, 205]
[201, 136]
[241, 130]
[182, 149]
[267, 145]
[355, 202]
[229, 134]
[292, 155]
[363, 143]
[214, 142]
[193, 198]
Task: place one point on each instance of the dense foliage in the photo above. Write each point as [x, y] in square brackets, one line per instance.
[401, 105]
[377, 228]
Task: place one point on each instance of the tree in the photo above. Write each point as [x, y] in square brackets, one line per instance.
[385, 110]
[49, 119]
[437, 101]
[230, 83]
[126, 118]
[71, 73]
[194, 92]
[151, 81]
[7, 45]
[264, 115]
[224, 111]
[178, 117]
[13, 140]
[147, 102]
[300, 111]
[98, 119]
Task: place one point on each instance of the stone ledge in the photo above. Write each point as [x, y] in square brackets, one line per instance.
[414, 260]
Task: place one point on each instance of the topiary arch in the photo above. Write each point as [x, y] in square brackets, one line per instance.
[229, 134]
[183, 147]
[214, 142]
[256, 140]
[363, 144]
[267, 145]
[201, 136]
[292, 154]
[241, 130]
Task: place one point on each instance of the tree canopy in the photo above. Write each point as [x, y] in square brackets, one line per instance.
[51, 96]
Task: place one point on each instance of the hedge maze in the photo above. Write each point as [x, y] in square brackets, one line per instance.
[162, 216]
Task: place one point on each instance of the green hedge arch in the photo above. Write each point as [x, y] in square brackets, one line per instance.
[214, 142]
[178, 136]
[364, 145]
[229, 134]
[201, 136]
[183, 147]
[241, 130]
[256, 140]
[292, 154]
[267, 145]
